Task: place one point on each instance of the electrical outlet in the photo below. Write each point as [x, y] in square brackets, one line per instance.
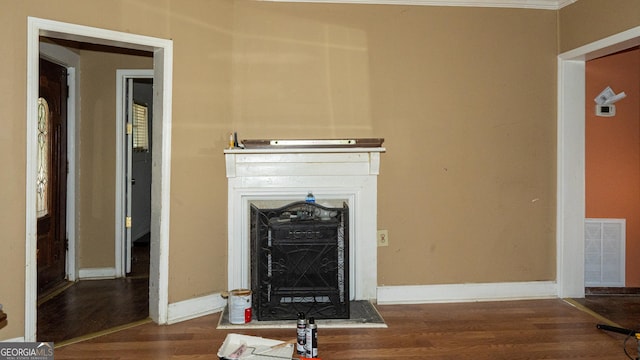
[383, 238]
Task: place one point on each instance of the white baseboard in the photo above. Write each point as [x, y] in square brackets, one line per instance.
[196, 307]
[209, 304]
[419, 294]
[97, 273]
[18, 339]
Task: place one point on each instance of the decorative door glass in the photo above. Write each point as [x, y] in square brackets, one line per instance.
[42, 180]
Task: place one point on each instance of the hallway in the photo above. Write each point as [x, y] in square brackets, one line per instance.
[92, 306]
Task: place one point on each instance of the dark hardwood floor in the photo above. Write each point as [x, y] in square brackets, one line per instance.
[105, 320]
[92, 306]
[528, 329]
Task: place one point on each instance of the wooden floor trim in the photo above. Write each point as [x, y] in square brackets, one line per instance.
[101, 333]
[55, 292]
[583, 308]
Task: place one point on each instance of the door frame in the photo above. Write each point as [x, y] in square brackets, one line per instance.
[570, 198]
[160, 202]
[122, 75]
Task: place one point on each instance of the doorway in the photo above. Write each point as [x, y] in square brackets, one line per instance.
[570, 158]
[134, 154]
[162, 51]
[80, 308]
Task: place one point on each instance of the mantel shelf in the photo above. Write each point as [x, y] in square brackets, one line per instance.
[306, 150]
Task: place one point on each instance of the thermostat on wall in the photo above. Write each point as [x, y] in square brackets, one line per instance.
[605, 110]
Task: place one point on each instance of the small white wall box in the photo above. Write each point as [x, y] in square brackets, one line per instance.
[606, 110]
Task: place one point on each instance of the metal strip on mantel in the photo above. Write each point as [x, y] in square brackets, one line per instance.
[311, 143]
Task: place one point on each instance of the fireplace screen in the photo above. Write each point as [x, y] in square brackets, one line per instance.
[299, 261]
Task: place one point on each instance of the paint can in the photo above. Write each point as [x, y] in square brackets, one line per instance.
[240, 306]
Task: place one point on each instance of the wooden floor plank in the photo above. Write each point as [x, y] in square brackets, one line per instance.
[533, 329]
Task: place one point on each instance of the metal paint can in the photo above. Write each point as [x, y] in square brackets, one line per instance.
[240, 306]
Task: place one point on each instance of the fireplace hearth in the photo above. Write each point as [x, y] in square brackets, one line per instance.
[300, 261]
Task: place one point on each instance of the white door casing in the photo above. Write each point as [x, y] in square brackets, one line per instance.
[163, 70]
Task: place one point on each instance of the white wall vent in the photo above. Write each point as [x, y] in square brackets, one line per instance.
[604, 251]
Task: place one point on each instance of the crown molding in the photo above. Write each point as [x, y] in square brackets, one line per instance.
[523, 4]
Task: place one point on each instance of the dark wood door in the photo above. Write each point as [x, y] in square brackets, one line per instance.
[52, 175]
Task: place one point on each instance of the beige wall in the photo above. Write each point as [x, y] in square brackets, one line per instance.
[586, 21]
[465, 98]
[201, 50]
[12, 160]
[201, 31]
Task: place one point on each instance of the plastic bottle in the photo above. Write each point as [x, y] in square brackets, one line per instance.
[311, 343]
[301, 335]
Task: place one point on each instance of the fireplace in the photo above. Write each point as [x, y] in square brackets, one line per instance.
[299, 261]
[281, 175]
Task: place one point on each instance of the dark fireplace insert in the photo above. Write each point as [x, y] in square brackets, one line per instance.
[300, 261]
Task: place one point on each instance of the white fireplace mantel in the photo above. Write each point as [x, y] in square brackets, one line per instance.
[348, 174]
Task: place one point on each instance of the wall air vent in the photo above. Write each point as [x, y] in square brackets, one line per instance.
[604, 252]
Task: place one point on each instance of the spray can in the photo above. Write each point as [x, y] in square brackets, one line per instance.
[311, 343]
[301, 335]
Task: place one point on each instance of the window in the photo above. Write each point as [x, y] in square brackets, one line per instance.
[140, 128]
